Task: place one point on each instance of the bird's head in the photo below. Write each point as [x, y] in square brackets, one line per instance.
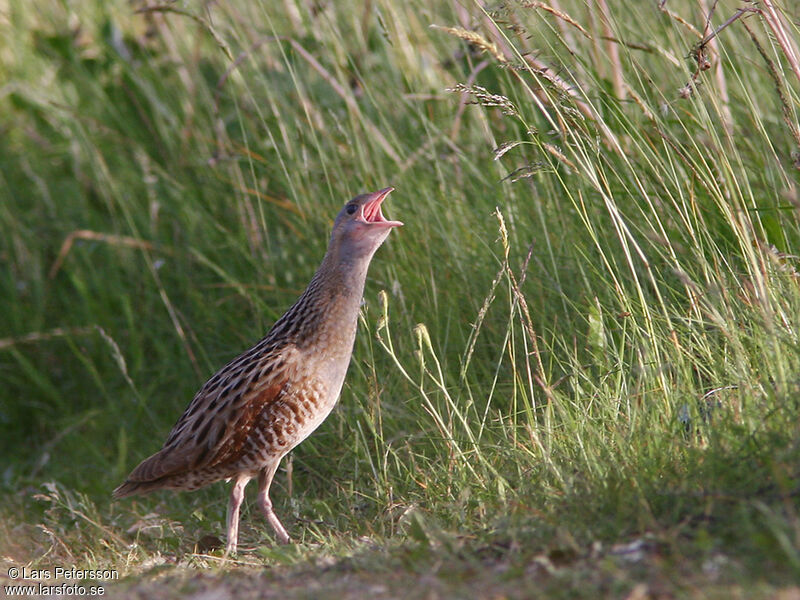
[360, 227]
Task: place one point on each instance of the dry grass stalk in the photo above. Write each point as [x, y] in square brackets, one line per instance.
[555, 151]
[485, 98]
[568, 38]
[786, 107]
[130, 242]
[539, 68]
[527, 170]
[496, 45]
[85, 234]
[167, 8]
[563, 86]
[476, 39]
[43, 336]
[527, 321]
[700, 55]
[348, 98]
[311, 110]
[464, 97]
[785, 41]
[679, 19]
[612, 50]
[719, 74]
[220, 126]
[641, 104]
[556, 10]
[632, 45]
[505, 147]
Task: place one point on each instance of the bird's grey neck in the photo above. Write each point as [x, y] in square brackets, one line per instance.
[343, 276]
[341, 286]
[329, 304]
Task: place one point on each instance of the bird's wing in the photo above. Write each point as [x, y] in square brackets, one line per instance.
[215, 426]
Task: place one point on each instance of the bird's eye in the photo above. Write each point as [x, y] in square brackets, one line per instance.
[351, 209]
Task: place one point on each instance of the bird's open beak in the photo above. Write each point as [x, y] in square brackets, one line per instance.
[371, 210]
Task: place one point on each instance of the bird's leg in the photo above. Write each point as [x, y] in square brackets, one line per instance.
[237, 496]
[264, 481]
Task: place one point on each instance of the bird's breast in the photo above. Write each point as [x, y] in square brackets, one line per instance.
[319, 365]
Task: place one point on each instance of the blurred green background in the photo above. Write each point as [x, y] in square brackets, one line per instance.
[589, 329]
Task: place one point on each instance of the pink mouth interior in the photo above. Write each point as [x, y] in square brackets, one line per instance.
[372, 210]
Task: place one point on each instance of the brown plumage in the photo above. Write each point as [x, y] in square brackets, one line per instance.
[263, 403]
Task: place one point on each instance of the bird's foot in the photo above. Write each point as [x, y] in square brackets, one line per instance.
[284, 539]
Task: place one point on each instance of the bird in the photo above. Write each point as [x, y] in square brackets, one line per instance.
[266, 401]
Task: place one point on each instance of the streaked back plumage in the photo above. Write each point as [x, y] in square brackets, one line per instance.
[270, 398]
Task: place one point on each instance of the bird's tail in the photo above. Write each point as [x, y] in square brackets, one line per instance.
[153, 473]
[131, 488]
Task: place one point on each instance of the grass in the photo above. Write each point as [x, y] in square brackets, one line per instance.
[575, 374]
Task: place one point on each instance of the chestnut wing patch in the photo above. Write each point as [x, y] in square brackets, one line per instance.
[214, 429]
